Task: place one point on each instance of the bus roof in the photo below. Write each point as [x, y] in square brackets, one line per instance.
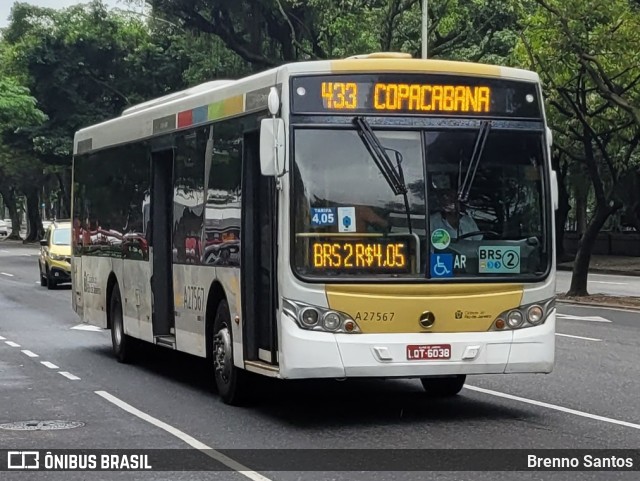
[220, 99]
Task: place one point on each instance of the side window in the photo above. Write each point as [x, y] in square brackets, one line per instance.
[222, 218]
[188, 197]
[110, 190]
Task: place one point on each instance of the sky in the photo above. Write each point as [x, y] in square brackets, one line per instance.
[5, 6]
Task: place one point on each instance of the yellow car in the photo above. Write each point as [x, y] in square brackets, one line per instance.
[55, 255]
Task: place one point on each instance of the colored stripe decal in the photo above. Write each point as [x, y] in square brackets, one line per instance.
[200, 115]
[185, 118]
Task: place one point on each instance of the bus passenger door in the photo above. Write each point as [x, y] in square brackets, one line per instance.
[258, 259]
[161, 249]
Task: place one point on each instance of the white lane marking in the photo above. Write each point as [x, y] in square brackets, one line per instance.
[2, 338]
[571, 317]
[68, 375]
[12, 344]
[50, 365]
[553, 406]
[600, 308]
[6, 274]
[578, 337]
[5, 251]
[194, 443]
[606, 282]
[29, 353]
[87, 327]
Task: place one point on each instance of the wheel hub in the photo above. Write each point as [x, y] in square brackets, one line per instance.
[222, 354]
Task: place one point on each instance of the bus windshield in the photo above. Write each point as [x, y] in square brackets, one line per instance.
[348, 223]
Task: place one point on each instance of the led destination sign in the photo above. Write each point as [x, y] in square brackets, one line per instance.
[410, 97]
[416, 95]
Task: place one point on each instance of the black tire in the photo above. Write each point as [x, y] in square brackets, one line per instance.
[121, 343]
[51, 282]
[443, 386]
[230, 381]
[43, 278]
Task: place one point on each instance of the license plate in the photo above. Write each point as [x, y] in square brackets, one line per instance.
[428, 352]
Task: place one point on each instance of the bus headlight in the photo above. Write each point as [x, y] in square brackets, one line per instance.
[309, 316]
[515, 319]
[535, 314]
[529, 315]
[315, 318]
[331, 321]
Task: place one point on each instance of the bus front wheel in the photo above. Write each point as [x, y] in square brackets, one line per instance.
[119, 340]
[230, 380]
[443, 386]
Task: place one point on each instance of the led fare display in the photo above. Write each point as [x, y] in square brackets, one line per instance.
[362, 255]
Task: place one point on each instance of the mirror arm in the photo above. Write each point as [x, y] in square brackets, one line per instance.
[275, 155]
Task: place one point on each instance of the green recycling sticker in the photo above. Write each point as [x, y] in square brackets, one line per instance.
[440, 239]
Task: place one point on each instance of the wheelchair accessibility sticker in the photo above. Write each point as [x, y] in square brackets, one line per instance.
[441, 265]
[499, 259]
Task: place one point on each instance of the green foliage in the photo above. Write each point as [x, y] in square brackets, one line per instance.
[17, 107]
[268, 32]
[85, 65]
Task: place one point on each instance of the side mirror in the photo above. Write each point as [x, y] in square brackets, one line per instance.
[43, 242]
[549, 137]
[554, 189]
[272, 144]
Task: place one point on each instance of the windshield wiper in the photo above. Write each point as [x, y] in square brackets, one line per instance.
[465, 187]
[394, 175]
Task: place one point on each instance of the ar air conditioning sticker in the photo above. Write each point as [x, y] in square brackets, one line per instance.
[323, 216]
[499, 259]
[346, 219]
[440, 239]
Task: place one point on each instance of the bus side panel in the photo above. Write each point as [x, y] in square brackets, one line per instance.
[76, 285]
[230, 280]
[95, 273]
[137, 299]
[190, 288]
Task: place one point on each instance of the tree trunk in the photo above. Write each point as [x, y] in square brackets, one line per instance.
[585, 247]
[35, 231]
[581, 212]
[9, 197]
[63, 198]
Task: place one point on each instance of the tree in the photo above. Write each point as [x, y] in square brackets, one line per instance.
[561, 41]
[84, 64]
[18, 110]
[265, 33]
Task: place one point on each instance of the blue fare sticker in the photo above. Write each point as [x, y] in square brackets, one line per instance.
[441, 265]
[323, 216]
[499, 260]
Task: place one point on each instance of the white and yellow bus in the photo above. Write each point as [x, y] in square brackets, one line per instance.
[376, 216]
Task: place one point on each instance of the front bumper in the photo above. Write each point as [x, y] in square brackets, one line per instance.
[60, 271]
[312, 354]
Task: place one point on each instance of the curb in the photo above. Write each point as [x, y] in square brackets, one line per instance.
[610, 272]
[595, 304]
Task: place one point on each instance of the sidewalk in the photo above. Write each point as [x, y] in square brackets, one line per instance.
[614, 265]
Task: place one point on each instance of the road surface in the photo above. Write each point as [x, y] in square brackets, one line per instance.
[603, 284]
[51, 370]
